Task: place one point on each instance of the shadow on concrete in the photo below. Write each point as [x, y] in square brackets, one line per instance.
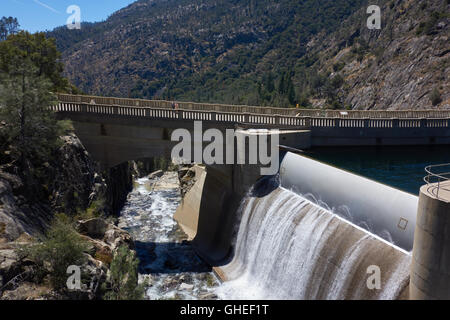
[265, 185]
[169, 258]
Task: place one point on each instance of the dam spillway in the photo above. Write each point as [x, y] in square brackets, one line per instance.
[315, 232]
[288, 247]
[380, 209]
[319, 234]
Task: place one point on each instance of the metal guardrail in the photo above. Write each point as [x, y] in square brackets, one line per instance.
[436, 180]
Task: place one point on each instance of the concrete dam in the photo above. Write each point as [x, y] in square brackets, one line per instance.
[292, 245]
[318, 232]
[311, 232]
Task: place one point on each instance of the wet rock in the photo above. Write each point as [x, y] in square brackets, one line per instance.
[170, 283]
[208, 296]
[146, 279]
[156, 174]
[186, 287]
[182, 172]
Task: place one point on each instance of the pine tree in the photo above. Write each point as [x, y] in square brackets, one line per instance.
[30, 128]
[30, 72]
[123, 282]
[8, 26]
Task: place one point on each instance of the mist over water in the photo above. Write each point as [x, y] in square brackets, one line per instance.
[287, 247]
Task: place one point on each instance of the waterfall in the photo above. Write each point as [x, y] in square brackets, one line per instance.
[288, 247]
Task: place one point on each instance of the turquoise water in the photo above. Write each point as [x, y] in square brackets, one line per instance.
[399, 167]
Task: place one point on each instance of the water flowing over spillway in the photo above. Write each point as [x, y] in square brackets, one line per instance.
[290, 248]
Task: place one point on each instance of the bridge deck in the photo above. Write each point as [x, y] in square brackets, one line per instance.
[268, 120]
[291, 112]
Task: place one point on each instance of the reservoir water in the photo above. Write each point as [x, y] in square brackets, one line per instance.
[399, 167]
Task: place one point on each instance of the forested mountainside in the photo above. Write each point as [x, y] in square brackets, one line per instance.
[315, 53]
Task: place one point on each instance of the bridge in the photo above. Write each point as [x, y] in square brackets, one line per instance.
[115, 130]
[326, 127]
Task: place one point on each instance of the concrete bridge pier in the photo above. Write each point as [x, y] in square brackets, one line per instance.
[221, 197]
[430, 268]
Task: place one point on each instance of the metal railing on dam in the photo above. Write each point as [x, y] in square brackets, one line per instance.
[237, 109]
[298, 121]
[438, 179]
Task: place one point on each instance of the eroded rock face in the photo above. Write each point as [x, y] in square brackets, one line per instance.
[397, 67]
[103, 241]
[17, 215]
[77, 182]
[71, 184]
[94, 228]
[9, 265]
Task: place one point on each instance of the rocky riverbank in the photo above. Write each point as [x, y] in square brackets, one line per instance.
[20, 280]
[71, 183]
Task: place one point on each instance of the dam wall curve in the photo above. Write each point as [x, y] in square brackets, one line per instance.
[378, 208]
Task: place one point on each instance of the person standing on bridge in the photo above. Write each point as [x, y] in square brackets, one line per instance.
[173, 105]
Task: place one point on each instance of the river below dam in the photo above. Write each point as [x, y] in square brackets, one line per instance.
[287, 247]
[168, 263]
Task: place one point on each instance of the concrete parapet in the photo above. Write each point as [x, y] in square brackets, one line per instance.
[430, 268]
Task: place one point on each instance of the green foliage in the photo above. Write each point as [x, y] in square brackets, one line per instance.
[337, 81]
[435, 97]
[338, 66]
[61, 247]
[95, 210]
[31, 130]
[427, 27]
[35, 51]
[162, 163]
[8, 25]
[29, 72]
[123, 282]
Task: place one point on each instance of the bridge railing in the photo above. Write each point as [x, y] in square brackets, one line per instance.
[290, 112]
[250, 118]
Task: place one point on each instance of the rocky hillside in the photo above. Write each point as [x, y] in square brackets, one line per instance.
[267, 52]
[402, 66]
[222, 50]
[70, 184]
